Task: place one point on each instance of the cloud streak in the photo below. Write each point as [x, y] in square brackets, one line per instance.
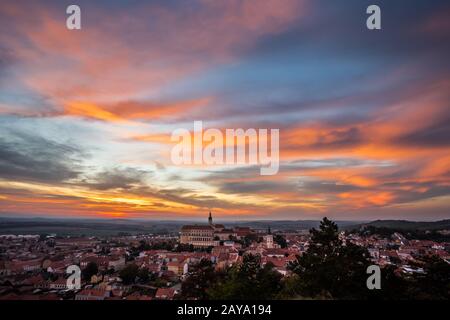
[363, 117]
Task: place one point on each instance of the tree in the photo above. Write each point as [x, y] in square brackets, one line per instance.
[143, 275]
[330, 268]
[280, 240]
[90, 270]
[248, 280]
[202, 277]
[268, 282]
[435, 283]
[249, 239]
[183, 247]
[129, 273]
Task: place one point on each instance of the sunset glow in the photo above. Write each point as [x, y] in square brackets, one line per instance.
[86, 116]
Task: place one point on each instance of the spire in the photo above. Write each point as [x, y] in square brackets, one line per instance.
[210, 221]
[268, 230]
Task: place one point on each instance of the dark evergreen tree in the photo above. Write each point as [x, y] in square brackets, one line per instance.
[201, 277]
[330, 268]
[248, 280]
[90, 270]
[129, 273]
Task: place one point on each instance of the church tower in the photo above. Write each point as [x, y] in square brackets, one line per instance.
[210, 222]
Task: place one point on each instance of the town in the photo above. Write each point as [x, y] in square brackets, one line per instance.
[156, 267]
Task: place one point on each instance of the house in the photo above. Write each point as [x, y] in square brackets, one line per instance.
[117, 263]
[38, 282]
[178, 268]
[411, 270]
[242, 232]
[56, 266]
[404, 255]
[137, 296]
[92, 294]
[165, 293]
[374, 253]
[276, 252]
[101, 262]
[268, 241]
[198, 236]
[225, 234]
[205, 235]
[279, 264]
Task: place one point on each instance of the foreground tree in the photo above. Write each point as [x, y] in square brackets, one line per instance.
[248, 280]
[330, 269]
[435, 283]
[143, 275]
[129, 273]
[90, 270]
[280, 240]
[201, 277]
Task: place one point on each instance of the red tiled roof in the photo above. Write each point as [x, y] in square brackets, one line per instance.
[60, 281]
[277, 262]
[92, 292]
[165, 293]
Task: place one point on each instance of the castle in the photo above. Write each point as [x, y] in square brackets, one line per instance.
[211, 234]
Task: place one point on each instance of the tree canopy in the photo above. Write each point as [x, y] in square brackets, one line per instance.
[330, 268]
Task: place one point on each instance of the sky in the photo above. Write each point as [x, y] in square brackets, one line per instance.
[86, 115]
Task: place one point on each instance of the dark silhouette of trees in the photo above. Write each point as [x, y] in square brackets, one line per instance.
[201, 277]
[129, 273]
[248, 280]
[280, 240]
[90, 270]
[331, 269]
[435, 283]
[143, 275]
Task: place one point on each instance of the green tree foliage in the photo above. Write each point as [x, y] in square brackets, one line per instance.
[201, 277]
[248, 239]
[433, 235]
[248, 280]
[184, 247]
[331, 269]
[280, 240]
[129, 273]
[143, 275]
[90, 270]
[435, 283]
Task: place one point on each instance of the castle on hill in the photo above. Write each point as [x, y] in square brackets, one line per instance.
[211, 234]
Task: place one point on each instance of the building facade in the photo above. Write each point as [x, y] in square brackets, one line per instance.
[198, 236]
[201, 235]
[211, 234]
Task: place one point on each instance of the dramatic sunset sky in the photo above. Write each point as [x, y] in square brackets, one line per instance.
[86, 116]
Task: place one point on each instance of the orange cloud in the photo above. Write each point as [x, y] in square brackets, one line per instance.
[92, 111]
[96, 64]
[360, 199]
[125, 111]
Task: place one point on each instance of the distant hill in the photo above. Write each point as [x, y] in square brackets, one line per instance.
[87, 227]
[113, 227]
[286, 225]
[406, 225]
